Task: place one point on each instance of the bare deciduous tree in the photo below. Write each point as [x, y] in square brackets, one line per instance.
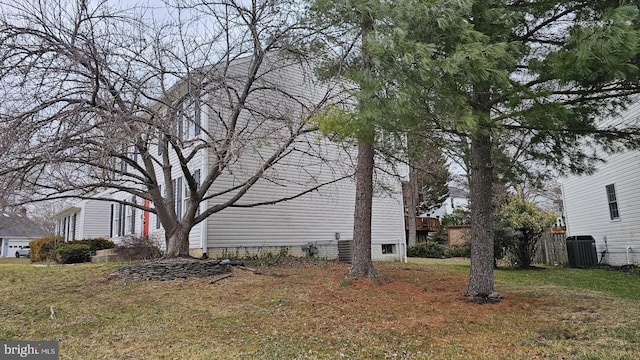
[97, 98]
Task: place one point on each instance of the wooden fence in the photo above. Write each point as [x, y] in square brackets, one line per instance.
[552, 248]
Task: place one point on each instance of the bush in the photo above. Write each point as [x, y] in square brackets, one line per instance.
[427, 250]
[95, 244]
[458, 251]
[43, 248]
[138, 248]
[69, 253]
[520, 224]
[436, 250]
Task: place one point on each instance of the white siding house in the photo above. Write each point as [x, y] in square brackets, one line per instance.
[320, 218]
[86, 219]
[606, 205]
[457, 198]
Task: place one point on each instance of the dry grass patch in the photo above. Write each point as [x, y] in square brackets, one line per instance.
[310, 312]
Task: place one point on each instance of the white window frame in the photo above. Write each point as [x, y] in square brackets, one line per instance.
[612, 201]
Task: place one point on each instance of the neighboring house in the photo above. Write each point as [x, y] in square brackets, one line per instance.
[16, 230]
[322, 218]
[457, 198]
[87, 219]
[606, 205]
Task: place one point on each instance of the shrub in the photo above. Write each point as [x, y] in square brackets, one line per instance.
[138, 248]
[427, 250]
[43, 248]
[458, 251]
[520, 224]
[436, 250]
[95, 244]
[69, 253]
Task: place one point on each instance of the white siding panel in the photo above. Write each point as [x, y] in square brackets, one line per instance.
[587, 209]
[95, 220]
[315, 217]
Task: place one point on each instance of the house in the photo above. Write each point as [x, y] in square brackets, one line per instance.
[86, 219]
[16, 230]
[606, 205]
[457, 198]
[321, 219]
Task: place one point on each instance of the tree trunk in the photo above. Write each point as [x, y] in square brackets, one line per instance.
[361, 263]
[482, 233]
[412, 204]
[177, 243]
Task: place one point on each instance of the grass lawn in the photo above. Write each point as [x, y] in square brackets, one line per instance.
[314, 312]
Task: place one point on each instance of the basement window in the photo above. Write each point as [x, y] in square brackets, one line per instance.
[388, 248]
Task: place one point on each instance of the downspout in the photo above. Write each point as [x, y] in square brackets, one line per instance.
[628, 252]
[403, 233]
[204, 170]
[403, 237]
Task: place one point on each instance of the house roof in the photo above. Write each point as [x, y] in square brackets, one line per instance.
[18, 225]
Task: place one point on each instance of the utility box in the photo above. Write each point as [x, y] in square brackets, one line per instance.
[581, 251]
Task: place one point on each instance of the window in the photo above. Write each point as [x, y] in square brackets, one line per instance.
[73, 226]
[192, 117]
[119, 219]
[613, 202]
[123, 163]
[123, 213]
[130, 221]
[115, 229]
[177, 196]
[187, 118]
[388, 248]
[111, 219]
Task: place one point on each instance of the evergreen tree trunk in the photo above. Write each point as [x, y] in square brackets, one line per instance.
[361, 263]
[482, 233]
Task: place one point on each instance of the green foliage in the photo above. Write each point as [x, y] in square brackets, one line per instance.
[426, 250]
[43, 248]
[47, 248]
[520, 224]
[95, 244]
[69, 253]
[458, 251]
[337, 124]
[600, 53]
[438, 251]
[460, 216]
[429, 170]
